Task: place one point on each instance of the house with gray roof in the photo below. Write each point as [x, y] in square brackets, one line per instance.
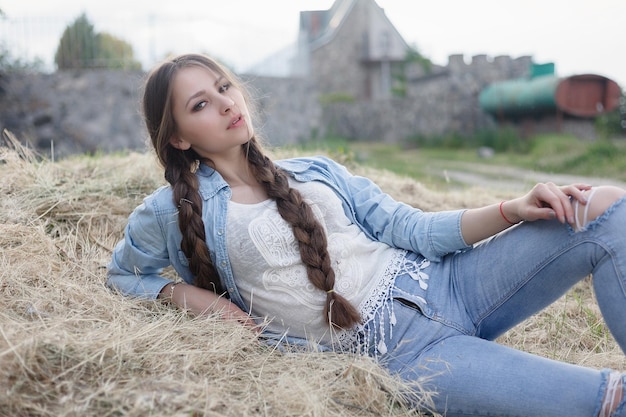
[351, 49]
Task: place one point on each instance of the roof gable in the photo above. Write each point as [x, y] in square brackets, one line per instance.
[384, 41]
[321, 25]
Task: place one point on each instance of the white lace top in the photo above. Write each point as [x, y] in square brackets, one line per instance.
[272, 279]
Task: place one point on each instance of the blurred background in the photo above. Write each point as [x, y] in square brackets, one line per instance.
[482, 77]
[580, 36]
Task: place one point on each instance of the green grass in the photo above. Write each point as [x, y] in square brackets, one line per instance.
[557, 154]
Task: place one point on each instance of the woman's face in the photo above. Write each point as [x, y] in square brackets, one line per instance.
[211, 115]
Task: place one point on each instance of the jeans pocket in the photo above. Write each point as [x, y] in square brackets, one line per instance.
[409, 304]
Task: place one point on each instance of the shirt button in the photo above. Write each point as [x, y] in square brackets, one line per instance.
[220, 232]
[223, 263]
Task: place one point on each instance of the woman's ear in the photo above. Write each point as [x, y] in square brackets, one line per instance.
[179, 143]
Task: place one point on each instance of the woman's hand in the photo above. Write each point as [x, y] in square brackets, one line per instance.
[546, 201]
[229, 311]
[199, 302]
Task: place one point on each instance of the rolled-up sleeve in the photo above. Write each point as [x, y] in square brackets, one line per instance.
[139, 258]
[432, 234]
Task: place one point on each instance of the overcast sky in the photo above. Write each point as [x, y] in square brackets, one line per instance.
[579, 36]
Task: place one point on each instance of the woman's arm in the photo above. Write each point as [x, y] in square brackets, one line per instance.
[382, 218]
[199, 301]
[544, 201]
[140, 257]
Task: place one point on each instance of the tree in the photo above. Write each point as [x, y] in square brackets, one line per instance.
[77, 47]
[116, 53]
[8, 62]
[81, 47]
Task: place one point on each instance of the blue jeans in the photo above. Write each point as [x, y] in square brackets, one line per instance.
[442, 336]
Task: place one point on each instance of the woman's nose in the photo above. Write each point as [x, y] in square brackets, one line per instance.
[227, 104]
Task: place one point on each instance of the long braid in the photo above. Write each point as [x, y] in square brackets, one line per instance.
[185, 187]
[309, 233]
[157, 104]
[312, 242]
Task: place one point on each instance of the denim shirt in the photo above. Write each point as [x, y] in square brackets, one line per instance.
[152, 236]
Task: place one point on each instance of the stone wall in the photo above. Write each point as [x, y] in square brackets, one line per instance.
[286, 109]
[91, 111]
[74, 111]
[441, 100]
[336, 66]
[348, 61]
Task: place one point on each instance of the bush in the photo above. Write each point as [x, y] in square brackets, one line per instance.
[598, 153]
[10, 63]
[501, 140]
[612, 124]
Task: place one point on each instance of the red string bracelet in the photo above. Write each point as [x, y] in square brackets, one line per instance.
[502, 213]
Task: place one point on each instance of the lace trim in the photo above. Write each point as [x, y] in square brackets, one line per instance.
[376, 307]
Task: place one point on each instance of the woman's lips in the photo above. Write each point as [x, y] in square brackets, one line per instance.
[236, 122]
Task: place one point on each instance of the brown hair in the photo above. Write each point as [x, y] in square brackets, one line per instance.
[179, 172]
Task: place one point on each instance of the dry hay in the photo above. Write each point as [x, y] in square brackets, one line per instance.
[71, 347]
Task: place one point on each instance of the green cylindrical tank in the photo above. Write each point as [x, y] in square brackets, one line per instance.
[583, 95]
[520, 96]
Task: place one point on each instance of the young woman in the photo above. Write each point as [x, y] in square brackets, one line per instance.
[307, 252]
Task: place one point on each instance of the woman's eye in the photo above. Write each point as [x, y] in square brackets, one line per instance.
[224, 87]
[199, 106]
